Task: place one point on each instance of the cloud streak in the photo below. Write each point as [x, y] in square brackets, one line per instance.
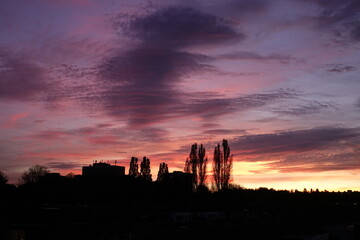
[306, 108]
[252, 56]
[296, 141]
[340, 68]
[21, 79]
[309, 150]
[178, 27]
[340, 17]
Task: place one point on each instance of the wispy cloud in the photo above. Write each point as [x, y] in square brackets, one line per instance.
[340, 68]
[21, 79]
[296, 141]
[340, 17]
[64, 165]
[305, 108]
[178, 27]
[223, 132]
[309, 150]
[318, 162]
[244, 55]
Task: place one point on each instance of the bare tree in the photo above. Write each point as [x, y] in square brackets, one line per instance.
[217, 160]
[70, 175]
[33, 175]
[222, 165]
[187, 166]
[227, 165]
[145, 170]
[163, 169]
[3, 178]
[191, 164]
[196, 164]
[202, 163]
[134, 167]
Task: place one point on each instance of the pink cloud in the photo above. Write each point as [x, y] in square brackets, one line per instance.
[13, 120]
[105, 140]
[50, 135]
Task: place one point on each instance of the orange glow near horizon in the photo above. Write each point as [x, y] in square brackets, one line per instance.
[254, 175]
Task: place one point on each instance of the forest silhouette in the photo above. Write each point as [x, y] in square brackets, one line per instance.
[106, 203]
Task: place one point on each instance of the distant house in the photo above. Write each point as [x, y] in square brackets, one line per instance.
[102, 169]
[178, 179]
[52, 179]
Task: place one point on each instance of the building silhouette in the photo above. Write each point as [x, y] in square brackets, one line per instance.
[101, 169]
[178, 179]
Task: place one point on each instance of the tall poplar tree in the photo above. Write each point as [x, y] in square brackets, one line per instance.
[196, 164]
[134, 167]
[222, 165]
[202, 162]
[191, 164]
[163, 169]
[145, 170]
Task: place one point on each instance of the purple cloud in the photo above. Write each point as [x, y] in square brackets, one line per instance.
[309, 150]
[177, 27]
[142, 83]
[64, 165]
[358, 103]
[340, 68]
[21, 79]
[296, 141]
[335, 11]
[306, 108]
[318, 162]
[150, 67]
[244, 55]
[212, 106]
[224, 131]
[341, 17]
[355, 32]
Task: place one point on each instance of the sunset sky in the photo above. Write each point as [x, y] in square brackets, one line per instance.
[97, 79]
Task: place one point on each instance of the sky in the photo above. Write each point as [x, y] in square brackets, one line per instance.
[84, 80]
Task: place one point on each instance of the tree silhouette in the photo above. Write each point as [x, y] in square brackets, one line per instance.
[191, 164]
[70, 175]
[163, 169]
[217, 159]
[145, 170]
[134, 167]
[202, 163]
[3, 178]
[222, 165]
[196, 164]
[187, 166]
[33, 175]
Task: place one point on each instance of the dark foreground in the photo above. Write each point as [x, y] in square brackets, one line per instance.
[108, 210]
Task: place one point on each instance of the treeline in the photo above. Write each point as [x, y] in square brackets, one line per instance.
[195, 164]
